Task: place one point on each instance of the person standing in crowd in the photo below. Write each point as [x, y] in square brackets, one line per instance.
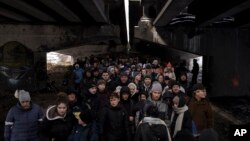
[155, 98]
[183, 80]
[146, 86]
[200, 108]
[138, 108]
[124, 80]
[75, 102]
[134, 95]
[195, 71]
[168, 95]
[58, 122]
[137, 80]
[91, 98]
[180, 118]
[109, 83]
[103, 93]
[23, 119]
[95, 74]
[160, 79]
[152, 128]
[83, 131]
[78, 75]
[114, 121]
[169, 71]
[177, 89]
[88, 77]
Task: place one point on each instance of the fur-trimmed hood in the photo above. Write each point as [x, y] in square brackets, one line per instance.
[51, 113]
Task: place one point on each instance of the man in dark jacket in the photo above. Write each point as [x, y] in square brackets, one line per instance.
[22, 121]
[83, 131]
[114, 121]
[152, 128]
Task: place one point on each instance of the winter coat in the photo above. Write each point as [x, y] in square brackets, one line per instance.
[138, 111]
[82, 133]
[134, 98]
[128, 105]
[168, 99]
[114, 124]
[22, 125]
[201, 113]
[57, 127]
[93, 101]
[186, 121]
[78, 75]
[104, 99]
[152, 129]
[162, 107]
[145, 89]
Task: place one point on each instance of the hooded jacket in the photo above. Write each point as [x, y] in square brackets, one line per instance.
[56, 126]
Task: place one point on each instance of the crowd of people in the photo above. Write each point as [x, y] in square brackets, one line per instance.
[117, 99]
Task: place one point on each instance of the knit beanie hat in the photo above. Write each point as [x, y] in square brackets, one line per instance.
[156, 86]
[23, 96]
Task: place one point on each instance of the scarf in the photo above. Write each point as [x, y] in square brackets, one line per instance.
[178, 124]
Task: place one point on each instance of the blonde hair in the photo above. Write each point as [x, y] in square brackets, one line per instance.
[133, 85]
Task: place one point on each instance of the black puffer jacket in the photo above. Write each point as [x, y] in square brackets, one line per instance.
[57, 127]
[152, 129]
[114, 124]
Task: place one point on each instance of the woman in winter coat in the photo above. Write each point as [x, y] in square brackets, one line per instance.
[58, 122]
[181, 118]
[200, 109]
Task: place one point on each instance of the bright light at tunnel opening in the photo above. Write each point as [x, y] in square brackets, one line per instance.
[126, 5]
[58, 59]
